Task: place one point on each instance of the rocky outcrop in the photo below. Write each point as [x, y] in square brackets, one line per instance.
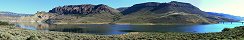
[86, 13]
[83, 9]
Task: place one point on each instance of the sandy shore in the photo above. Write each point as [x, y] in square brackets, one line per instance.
[12, 33]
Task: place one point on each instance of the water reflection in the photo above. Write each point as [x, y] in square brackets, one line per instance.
[121, 29]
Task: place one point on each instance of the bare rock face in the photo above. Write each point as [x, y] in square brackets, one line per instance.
[86, 13]
[83, 9]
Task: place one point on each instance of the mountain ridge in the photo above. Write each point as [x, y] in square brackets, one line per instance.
[5, 13]
[11, 16]
[151, 12]
[238, 18]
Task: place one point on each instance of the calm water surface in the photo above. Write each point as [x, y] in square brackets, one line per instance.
[108, 29]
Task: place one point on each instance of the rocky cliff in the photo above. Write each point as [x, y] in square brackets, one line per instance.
[83, 9]
[86, 13]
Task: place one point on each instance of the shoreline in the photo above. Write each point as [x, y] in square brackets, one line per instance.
[129, 23]
[12, 33]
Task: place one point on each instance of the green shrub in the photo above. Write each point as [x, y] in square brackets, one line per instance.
[226, 29]
[4, 23]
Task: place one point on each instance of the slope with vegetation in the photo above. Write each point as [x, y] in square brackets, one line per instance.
[172, 12]
[4, 23]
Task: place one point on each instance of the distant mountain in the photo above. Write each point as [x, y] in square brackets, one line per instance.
[173, 13]
[122, 9]
[3, 13]
[238, 18]
[242, 19]
[10, 16]
[86, 13]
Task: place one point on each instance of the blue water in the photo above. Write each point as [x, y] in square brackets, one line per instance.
[108, 29]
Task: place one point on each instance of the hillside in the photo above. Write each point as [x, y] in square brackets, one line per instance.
[153, 12]
[171, 18]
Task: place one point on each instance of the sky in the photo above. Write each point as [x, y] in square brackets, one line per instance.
[233, 7]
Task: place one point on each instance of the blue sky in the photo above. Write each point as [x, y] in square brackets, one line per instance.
[233, 7]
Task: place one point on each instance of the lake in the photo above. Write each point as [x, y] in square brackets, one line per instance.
[108, 29]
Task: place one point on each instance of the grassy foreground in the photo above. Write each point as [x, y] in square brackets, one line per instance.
[12, 33]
